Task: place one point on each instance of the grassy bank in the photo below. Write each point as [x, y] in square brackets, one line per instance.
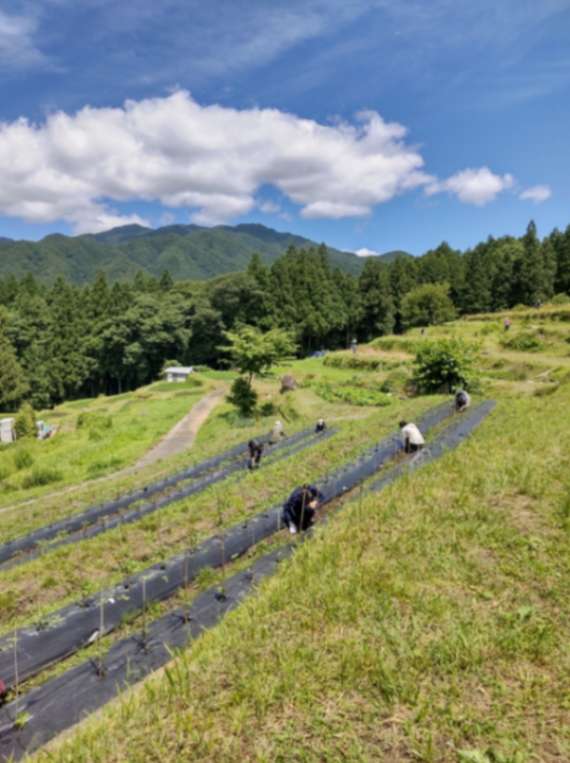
[94, 438]
[429, 623]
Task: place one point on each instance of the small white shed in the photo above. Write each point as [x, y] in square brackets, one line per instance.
[7, 431]
[177, 373]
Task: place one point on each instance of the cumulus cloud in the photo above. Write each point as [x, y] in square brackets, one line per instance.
[210, 160]
[17, 46]
[364, 252]
[536, 193]
[472, 186]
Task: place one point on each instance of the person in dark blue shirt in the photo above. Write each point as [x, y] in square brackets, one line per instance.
[299, 509]
[255, 450]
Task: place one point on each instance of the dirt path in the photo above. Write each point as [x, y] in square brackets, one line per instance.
[183, 434]
[180, 437]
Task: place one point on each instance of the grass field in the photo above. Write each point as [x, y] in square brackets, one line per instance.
[94, 438]
[427, 623]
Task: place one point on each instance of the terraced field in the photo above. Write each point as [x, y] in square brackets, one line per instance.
[425, 622]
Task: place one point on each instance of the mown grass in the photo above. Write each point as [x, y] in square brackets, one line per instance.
[427, 623]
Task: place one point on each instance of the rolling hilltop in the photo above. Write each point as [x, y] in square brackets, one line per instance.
[186, 251]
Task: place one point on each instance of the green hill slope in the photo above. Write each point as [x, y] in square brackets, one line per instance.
[187, 251]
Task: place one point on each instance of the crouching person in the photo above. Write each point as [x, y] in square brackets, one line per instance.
[300, 508]
[462, 400]
[412, 438]
[255, 450]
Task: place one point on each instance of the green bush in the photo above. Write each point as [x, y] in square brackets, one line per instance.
[523, 342]
[267, 409]
[23, 460]
[396, 381]
[41, 476]
[445, 365]
[560, 299]
[352, 362]
[25, 424]
[4, 473]
[243, 396]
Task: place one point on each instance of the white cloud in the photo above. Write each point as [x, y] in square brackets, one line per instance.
[472, 186]
[269, 207]
[211, 160]
[364, 252]
[17, 46]
[537, 194]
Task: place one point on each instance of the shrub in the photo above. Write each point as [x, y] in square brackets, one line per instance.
[243, 396]
[41, 476]
[396, 381]
[445, 365]
[523, 342]
[25, 424]
[560, 299]
[267, 409]
[352, 362]
[23, 460]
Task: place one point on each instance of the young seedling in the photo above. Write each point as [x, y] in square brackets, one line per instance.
[16, 672]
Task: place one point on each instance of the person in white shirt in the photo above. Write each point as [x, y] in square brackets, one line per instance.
[412, 438]
[277, 433]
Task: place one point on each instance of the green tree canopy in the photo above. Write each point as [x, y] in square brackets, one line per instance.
[254, 352]
[445, 366]
[13, 385]
[427, 305]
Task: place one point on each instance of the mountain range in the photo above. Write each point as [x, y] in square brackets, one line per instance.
[185, 251]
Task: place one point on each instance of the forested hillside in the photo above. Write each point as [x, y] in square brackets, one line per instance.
[185, 251]
[66, 341]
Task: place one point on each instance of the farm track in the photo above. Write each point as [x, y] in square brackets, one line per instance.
[181, 437]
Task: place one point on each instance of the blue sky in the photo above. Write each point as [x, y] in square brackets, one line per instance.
[369, 124]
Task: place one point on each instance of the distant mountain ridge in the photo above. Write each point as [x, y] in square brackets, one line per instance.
[186, 251]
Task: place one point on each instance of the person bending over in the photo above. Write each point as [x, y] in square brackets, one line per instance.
[462, 400]
[255, 450]
[412, 438]
[299, 509]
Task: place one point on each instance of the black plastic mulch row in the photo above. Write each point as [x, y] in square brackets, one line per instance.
[34, 719]
[285, 449]
[29, 650]
[30, 722]
[449, 439]
[33, 544]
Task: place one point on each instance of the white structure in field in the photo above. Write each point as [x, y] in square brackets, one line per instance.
[177, 373]
[7, 431]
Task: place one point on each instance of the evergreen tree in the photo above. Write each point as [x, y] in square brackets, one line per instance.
[561, 246]
[534, 272]
[376, 299]
[13, 384]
